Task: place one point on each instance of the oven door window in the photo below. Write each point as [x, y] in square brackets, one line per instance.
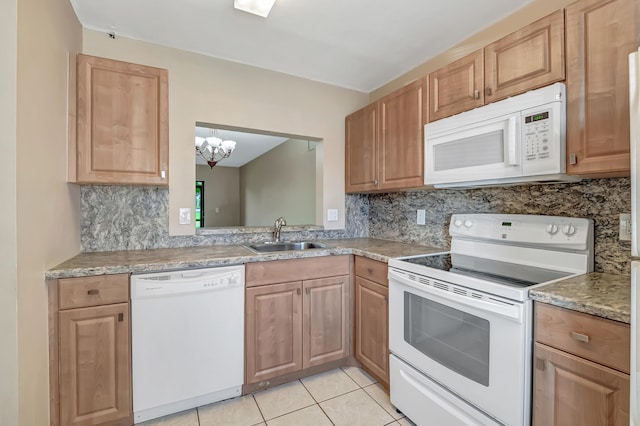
[453, 338]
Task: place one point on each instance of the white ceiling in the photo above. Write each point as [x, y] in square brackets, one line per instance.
[248, 145]
[357, 44]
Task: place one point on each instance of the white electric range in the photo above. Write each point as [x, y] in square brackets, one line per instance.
[460, 323]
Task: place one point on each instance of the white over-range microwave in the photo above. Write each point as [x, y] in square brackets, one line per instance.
[516, 140]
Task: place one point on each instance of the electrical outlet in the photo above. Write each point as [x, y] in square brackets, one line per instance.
[185, 216]
[625, 227]
[332, 215]
[421, 217]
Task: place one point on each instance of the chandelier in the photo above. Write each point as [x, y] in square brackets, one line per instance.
[212, 149]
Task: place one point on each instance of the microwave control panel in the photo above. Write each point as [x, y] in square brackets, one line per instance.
[537, 136]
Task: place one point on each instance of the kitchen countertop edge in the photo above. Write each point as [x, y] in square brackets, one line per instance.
[381, 250]
[596, 293]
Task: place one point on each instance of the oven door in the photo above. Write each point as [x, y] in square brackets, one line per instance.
[475, 345]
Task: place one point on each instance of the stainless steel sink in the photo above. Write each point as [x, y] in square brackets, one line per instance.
[270, 247]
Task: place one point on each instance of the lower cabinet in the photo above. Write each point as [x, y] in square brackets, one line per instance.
[91, 368]
[581, 369]
[295, 325]
[273, 321]
[570, 390]
[325, 320]
[372, 318]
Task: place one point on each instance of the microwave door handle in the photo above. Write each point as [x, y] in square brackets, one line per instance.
[512, 145]
[505, 310]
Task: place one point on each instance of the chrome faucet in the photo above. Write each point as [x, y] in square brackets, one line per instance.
[277, 226]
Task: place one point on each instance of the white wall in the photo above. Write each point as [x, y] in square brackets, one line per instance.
[47, 208]
[8, 242]
[216, 91]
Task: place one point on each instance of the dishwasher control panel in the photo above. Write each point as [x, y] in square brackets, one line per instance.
[187, 281]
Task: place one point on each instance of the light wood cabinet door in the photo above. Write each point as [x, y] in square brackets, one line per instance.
[457, 87]
[573, 391]
[122, 123]
[325, 330]
[273, 330]
[401, 145]
[361, 150]
[526, 59]
[372, 328]
[600, 36]
[95, 366]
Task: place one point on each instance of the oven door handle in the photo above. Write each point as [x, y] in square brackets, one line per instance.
[513, 312]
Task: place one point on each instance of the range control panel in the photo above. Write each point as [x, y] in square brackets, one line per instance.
[537, 136]
[557, 231]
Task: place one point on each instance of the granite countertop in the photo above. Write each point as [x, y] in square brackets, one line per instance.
[603, 295]
[156, 260]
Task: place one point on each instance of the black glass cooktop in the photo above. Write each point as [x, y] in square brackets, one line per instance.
[489, 270]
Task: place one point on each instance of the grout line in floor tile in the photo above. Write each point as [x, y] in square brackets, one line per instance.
[346, 393]
[300, 409]
[325, 413]
[385, 410]
[352, 379]
[255, 401]
[312, 397]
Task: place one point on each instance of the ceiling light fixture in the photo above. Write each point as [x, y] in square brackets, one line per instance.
[212, 149]
[257, 7]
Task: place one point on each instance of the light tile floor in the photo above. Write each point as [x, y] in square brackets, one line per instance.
[346, 396]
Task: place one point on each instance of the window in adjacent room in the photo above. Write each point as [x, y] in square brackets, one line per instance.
[199, 203]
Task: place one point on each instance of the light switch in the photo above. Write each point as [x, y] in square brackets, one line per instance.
[332, 215]
[185, 216]
[421, 217]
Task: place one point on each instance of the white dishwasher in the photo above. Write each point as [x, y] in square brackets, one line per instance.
[187, 339]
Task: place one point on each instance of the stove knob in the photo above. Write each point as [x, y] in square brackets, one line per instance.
[552, 228]
[457, 223]
[568, 230]
[468, 223]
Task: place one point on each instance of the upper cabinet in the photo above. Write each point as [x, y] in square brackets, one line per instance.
[456, 87]
[383, 143]
[600, 36]
[400, 144]
[526, 59]
[361, 155]
[122, 124]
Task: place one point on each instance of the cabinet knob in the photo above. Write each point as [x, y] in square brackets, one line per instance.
[163, 174]
[120, 317]
[476, 94]
[540, 364]
[375, 182]
[572, 158]
[93, 292]
[488, 91]
[308, 290]
[298, 291]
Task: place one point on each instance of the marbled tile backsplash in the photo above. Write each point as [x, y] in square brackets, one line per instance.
[134, 217]
[137, 217]
[393, 215]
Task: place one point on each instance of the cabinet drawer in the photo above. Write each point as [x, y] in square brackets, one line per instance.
[372, 270]
[281, 271]
[597, 339]
[93, 291]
